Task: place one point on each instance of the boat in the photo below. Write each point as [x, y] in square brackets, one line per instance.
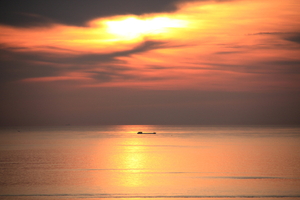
[145, 133]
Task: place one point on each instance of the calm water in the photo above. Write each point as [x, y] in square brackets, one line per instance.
[178, 162]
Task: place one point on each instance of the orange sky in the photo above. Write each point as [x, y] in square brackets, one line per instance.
[235, 45]
[202, 61]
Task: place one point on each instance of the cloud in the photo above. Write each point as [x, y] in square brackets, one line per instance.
[20, 63]
[31, 13]
[281, 66]
[75, 12]
[294, 38]
[24, 19]
[289, 36]
[92, 58]
[267, 33]
[228, 52]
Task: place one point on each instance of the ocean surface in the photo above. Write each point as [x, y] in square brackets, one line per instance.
[178, 162]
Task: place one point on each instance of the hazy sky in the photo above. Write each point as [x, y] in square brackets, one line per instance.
[96, 62]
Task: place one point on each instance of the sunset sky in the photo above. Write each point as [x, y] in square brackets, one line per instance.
[95, 62]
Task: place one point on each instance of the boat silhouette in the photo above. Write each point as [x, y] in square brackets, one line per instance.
[145, 133]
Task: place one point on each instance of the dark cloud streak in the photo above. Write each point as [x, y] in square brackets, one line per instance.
[18, 64]
[24, 19]
[289, 36]
[75, 12]
[294, 38]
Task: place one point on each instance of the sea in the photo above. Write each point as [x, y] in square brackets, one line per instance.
[178, 162]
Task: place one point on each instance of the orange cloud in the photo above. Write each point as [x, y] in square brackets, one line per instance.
[235, 45]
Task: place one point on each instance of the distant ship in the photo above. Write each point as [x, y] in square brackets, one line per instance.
[145, 133]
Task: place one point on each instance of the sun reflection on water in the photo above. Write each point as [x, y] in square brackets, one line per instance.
[133, 157]
[133, 160]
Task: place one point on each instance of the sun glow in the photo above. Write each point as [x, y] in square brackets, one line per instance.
[133, 27]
